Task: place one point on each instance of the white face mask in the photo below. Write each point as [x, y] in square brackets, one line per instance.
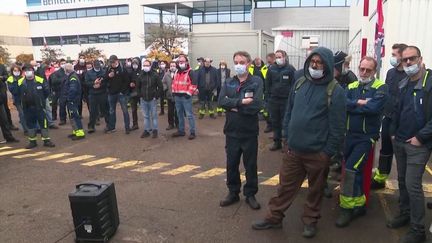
[240, 69]
[394, 61]
[97, 69]
[280, 61]
[29, 74]
[173, 69]
[146, 69]
[222, 66]
[182, 66]
[412, 70]
[16, 73]
[163, 66]
[81, 61]
[63, 66]
[128, 64]
[316, 73]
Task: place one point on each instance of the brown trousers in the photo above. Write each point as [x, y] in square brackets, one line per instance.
[295, 168]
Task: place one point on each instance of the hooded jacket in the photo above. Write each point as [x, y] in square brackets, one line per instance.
[311, 125]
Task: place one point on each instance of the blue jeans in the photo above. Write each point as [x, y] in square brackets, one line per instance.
[183, 105]
[48, 111]
[21, 117]
[123, 100]
[149, 110]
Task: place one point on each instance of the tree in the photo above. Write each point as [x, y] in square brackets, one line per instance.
[168, 38]
[24, 58]
[51, 54]
[4, 55]
[91, 53]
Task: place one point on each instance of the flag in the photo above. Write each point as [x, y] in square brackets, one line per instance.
[79, 41]
[45, 44]
[379, 31]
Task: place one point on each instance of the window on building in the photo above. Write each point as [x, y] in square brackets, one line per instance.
[125, 37]
[91, 12]
[307, 3]
[322, 3]
[112, 11]
[70, 40]
[103, 38]
[37, 41]
[71, 14]
[123, 10]
[340, 3]
[43, 16]
[114, 38]
[61, 15]
[101, 11]
[278, 4]
[92, 39]
[292, 3]
[53, 40]
[52, 15]
[33, 17]
[83, 39]
[81, 13]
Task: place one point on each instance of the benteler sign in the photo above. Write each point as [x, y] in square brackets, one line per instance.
[36, 3]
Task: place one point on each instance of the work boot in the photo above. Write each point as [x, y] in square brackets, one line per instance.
[252, 202]
[276, 146]
[192, 136]
[344, 218]
[264, 224]
[134, 127]
[178, 134]
[268, 129]
[170, 127]
[32, 144]
[155, 134]
[145, 134]
[230, 199]
[377, 185]
[413, 236]
[62, 123]
[309, 230]
[212, 116]
[48, 143]
[91, 130]
[201, 116]
[399, 221]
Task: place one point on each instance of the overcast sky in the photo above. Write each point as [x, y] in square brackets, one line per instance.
[13, 6]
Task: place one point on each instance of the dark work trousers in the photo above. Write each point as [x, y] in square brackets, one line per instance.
[55, 103]
[4, 124]
[98, 107]
[172, 114]
[80, 104]
[235, 148]
[386, 151]
[62, 110]
[411, 161]
[8, 114]
[277, 112]
[295, 168]
[134, 101]
[206, 100]
[162, 103]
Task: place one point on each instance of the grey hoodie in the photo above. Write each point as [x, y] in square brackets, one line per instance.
[310, 124]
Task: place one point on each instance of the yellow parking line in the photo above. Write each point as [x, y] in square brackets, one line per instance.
[274, 181]
[30, 155]
[106, 160]
[54, 156]
[5, 147]
[209, 173]
[15, 151]
[180, 170]
[125, 164]
[429, 169]
[155, 166]
[243, 177]
[74, 159]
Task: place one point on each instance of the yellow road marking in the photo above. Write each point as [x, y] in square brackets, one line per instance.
[100, 161]
[5, 147]
[180, 170]
[428, 169]
[74, 159]
[155, 166]
[15, 151]
[30, 155]
[243, 177]
[209, 173]
[125, 164]
[54, 156]
[274, 181]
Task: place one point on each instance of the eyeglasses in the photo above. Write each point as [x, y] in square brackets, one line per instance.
[366, 70]
[316, 62]
[411, 59]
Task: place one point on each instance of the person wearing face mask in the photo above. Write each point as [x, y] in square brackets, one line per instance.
[241, 97]
[161, 72]
[12, 83]
[118, 84]
[343, 74]
[278, 83]
[312, 136]
[34, 92]
[167, 85]
[3, 77]
[80, 69]
[55, 82]
[149, 88]
[223, 74]
[134, 97]
[207, 84]
[4, 124]
[183, 88]
[98, 98]
[71, 92]
[365, 104]
[411, 133]
[393, 78]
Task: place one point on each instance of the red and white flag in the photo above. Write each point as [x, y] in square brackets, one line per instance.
[379, 31]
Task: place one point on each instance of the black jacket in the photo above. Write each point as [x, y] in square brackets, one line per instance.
[279, 81]
[149, 85]
[56, 79]
[120, 83]
[33, 93]
[90, 78]
[241, 120]
[345, 80]
[393, 79]
[214, 80]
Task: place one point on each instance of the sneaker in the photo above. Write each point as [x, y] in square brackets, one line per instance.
[265, 224]
[309, 230]
[399, 221]
[154, 134]
[178, 134]
[345, 217]
[230, 199]
[145, 134]
[192, 136]
[252, 202]
[107, 131]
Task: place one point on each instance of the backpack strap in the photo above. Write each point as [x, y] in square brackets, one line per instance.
[330, 88]
[299, 83]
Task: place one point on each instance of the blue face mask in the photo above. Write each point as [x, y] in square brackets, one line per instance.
[394, 61]
[240, 69]
[412, 70]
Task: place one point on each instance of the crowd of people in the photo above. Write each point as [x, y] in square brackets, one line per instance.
[321, 116]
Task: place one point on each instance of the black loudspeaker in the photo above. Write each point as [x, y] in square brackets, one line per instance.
[94, 211]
